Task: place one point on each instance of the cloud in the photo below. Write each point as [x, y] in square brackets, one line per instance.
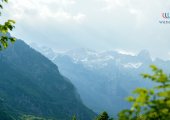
[79, 18]
[169, 54]
[113, 4]
[44, 10]
[143, 11]
[96, 24]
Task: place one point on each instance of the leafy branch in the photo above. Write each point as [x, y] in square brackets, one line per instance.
[5, 29]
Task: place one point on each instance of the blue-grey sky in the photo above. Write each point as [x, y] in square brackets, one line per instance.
[131, 25]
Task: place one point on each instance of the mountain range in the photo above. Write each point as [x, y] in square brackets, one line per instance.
[104, 79]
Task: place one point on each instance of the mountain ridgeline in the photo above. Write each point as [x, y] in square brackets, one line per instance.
[104, 78]
[30, 84]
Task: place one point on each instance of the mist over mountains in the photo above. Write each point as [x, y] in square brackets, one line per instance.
[104, 79]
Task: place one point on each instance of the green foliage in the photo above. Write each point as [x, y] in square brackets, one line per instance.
[4, 30]
[104, 116]
[74, 118]
[150, 104]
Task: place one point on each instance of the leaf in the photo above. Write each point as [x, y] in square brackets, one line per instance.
[1, 6]
[164, 94]
[130, 99]
[153, 67]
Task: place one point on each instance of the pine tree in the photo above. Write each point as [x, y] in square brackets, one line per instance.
[74, 118]
[104, 116]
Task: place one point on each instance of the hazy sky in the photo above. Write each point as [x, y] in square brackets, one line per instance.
[131, 25]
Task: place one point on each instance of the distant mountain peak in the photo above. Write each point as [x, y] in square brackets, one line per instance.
[145, 55]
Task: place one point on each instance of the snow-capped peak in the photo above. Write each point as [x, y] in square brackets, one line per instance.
[124, 52]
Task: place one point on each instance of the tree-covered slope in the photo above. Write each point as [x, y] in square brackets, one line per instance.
[30, 84]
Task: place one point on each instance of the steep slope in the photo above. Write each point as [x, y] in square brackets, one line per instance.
[98, 91]
[31, 84]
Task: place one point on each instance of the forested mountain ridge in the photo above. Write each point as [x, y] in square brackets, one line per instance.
[30, 84]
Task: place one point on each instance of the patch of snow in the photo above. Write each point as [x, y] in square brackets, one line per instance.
[132, 65]
[124, 52]
[84, 60]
